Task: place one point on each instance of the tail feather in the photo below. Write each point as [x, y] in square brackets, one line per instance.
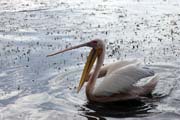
[150, 86]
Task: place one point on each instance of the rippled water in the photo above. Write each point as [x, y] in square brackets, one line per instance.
[33, 86]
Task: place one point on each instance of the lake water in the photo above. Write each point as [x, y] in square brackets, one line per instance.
[34, 87]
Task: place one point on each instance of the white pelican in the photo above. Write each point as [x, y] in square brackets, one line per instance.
[119, 77]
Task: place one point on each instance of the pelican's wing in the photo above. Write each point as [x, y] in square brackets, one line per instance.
[107, 69]
[121, 80]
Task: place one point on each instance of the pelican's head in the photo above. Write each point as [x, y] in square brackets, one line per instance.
[97, 46]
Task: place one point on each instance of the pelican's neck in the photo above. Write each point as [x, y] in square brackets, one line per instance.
[93, 77]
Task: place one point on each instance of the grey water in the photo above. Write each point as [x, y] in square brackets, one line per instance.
[34, 87]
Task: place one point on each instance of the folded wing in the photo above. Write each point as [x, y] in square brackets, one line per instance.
[121, 80]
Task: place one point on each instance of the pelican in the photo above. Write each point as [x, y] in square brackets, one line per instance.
[119, 79]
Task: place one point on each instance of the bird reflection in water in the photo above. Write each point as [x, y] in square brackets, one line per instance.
[122, 109]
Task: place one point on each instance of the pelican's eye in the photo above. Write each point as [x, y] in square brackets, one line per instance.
[94, 42]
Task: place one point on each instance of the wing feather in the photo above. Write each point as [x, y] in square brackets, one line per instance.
[121, 80]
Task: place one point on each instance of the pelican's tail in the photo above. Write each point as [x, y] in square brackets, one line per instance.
[150, 86]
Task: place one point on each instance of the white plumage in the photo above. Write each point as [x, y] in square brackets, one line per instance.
[120, 77]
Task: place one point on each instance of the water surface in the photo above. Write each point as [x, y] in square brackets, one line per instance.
[33, 86]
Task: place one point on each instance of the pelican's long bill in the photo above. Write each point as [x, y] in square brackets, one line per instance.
[88, 66]
[67, 49]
